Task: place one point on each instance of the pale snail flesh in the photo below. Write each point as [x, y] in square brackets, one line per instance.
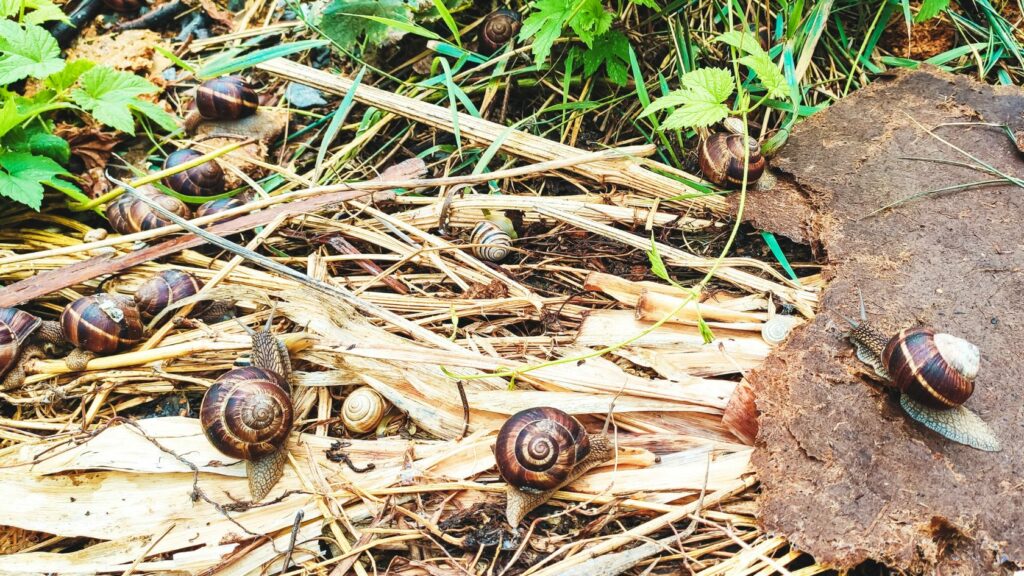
[913, 361]
[490, 242]
[363, 410]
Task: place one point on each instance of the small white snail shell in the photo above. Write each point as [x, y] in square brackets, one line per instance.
[491, 243]
[363, 410]
[777, 329]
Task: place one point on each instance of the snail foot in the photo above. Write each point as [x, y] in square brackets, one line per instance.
[78, 359]
[958, 424]
[265, 472]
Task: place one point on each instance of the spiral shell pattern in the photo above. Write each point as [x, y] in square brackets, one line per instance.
[721, 159]
[491, 243]
[537, 448]
[128, 215]
[247, 413]
[226, 98]
[206, 179]
[499, 28]
[363, 410]
[164, 289]
[936, 370]
[15, 327]
[777, 329]
[102, 323]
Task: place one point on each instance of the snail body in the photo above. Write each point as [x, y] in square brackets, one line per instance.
[247, 413]
[721, 159]
[206, 179]
[539, 450]
[363, 410]
[490, 242]
[129, 215]
[15, 328]
[499, 28]
[163, 290]
[224, 98]
[934, 374]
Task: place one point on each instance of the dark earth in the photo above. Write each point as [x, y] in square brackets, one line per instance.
[846, 476]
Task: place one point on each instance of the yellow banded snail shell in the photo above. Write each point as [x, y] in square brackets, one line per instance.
[164, 289]
[206, 179]
[721, 159]
[101, 323]
[363, 410]
[490, 242]
[224, 98]
[15, 328]
[129, 215]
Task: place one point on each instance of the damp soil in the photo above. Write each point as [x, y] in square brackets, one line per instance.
[846, 476]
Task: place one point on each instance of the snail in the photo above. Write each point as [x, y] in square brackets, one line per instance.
[206, 179]
[721, 159]
[224, 98]
[538, 451]
[490, 241]
[363, 410]
[129, 215]
[247, 413]
[163, 290]
[777, 328]
[218, 206]
[934, 373]
[99, 324]
[15, 328]
[123, 5]
[498, 29]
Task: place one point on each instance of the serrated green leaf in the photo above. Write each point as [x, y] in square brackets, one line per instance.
[743, 41]
[110, 96]
[67, 77]
[23, 176]
[930, 9]
[45, 11]
[670, 100]
[768, 73]
[717, 81]
[699, 108]
[544, 26]
[612, 50]
[10, 117]
[156, 113]
[25, 51]
[340, 21]
[591, 21]
[50, 146]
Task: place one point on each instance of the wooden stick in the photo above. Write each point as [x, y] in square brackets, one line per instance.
[624, 171]
[653, 306]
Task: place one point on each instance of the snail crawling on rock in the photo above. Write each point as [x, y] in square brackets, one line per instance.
[934, 373]
[540, 450]
[247, 413]
[224, 98]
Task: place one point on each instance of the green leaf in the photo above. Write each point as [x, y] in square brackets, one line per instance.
[743, 41]
[27, 51]
[930, 9]
[768, 73]
[156, 113]
[231, 62]
[341, 21]
[53, 147]
[410, 27]
[717, 81]
[110, 96]
[591, 21]
[448, 21]
[23, 176]
[67, 77]
[657, 264]
[545, 25]
[705, 330]
[648, 3]
[44, 11]
[699, 108]
[612, 50]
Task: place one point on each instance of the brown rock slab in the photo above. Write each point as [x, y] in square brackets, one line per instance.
[846, 476]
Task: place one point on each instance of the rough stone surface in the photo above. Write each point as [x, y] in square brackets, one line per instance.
[846, 476]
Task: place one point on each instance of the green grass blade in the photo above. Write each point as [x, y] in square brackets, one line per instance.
[222, 66]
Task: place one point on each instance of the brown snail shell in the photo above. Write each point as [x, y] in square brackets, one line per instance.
[226, 98]
[721, 159]
[102, 323]
[363, 410]
[538, 448]
[490, 242]
[937, 370]
[247, 413]
[129, 215]
[206, 179]
[164, 289]
[218, 206]
[499, 28]
[15, 328]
